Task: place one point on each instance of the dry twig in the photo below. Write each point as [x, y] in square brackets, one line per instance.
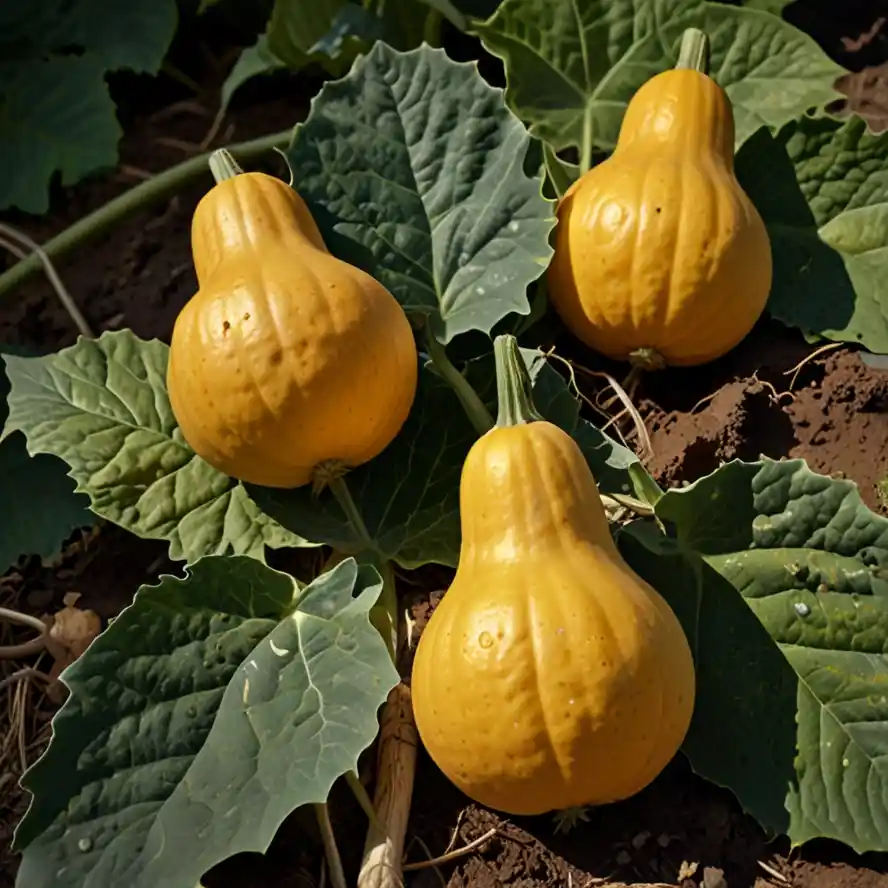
[449, 856]
[810, 357]
[10, 238]
[645, 449]
[28, 648]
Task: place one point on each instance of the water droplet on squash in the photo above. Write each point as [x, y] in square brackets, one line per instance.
[84, 844]
[485, 639]
[801, 609]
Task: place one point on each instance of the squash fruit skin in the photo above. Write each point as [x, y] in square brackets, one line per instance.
[658, 247]
[286, 357]
[550, 675]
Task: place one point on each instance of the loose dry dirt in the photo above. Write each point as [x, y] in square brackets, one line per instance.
[833, 412]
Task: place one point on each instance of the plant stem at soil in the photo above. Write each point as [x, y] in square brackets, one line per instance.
[159, 187]
[331, 851]
[396, 760]
[478, 414]
[396, 768]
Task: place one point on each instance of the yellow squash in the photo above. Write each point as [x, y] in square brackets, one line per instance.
[550, 675]
[287, 359]
[660, 256]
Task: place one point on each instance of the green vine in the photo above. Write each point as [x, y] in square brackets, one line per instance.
[154, 190]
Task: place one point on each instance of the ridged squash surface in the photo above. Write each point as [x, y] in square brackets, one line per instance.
[550, 675]
[286, 357]
[658, 248]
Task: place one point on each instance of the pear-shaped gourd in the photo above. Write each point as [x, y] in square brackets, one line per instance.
[550, 675]
[288, 361]
[660, 256]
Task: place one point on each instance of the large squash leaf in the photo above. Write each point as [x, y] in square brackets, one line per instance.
[415, 171]
[207, 712]
[822, 189]
[574, 64]
[56, 113]
[812, 563]
[102, 407]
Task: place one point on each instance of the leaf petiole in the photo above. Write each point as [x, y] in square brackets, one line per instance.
[475, 408]
[588, 140]
[431, 30]
[363, 798]
[331, 850]
[339, 488]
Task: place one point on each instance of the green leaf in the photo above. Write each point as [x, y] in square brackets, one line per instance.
[113, 35]
[775, 504]
[102, 407]
[253, 61]
[812, 561]
[56, 116]
[775, 7]
[414, 169]
[409, 495]
[566, 59]
[822, 189]
[134, 36]
[208, 711]
[40, 508]
[329, 32]
[743, 680]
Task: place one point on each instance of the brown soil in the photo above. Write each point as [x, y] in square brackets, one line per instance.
[833, 412]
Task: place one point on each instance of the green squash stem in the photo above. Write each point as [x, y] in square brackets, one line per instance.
[513, 384]
[223, 165]
[694, 51]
